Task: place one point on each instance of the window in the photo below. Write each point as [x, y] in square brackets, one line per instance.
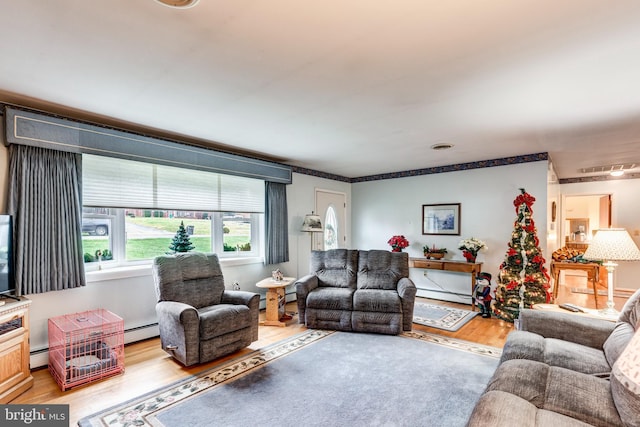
[133, 211]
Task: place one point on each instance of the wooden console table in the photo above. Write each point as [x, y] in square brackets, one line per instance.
[592, 269]
[471, 268]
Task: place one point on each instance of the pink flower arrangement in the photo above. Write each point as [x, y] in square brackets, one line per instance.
[398, 243]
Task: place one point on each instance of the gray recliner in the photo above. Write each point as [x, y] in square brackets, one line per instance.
[198, 319]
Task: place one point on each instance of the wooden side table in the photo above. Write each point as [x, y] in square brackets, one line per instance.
[275, 314]
[588, 312]
[591, 268]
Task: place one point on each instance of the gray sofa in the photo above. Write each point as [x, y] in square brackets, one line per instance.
[556, 371]
[360, 291]
[198, 319]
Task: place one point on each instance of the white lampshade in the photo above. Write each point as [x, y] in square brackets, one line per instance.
[612, 244]
[312, 223]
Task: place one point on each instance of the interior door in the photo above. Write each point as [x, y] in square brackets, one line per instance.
[332, 208]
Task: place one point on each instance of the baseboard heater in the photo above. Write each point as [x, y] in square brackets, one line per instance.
[40, 358]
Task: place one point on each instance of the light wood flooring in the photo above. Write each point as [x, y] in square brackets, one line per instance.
[147, 367]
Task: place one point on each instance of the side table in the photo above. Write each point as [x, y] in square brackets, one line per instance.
[588, 312]
[275, 300]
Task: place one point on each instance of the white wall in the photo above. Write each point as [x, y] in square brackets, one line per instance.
[130, 294]
[382, 209]
[625, 208]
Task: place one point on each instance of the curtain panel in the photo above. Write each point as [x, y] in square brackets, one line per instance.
[276, 223]
[45, 188]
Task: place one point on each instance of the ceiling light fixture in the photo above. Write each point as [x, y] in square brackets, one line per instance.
[442, 146]
[617, 170]
[178, 4]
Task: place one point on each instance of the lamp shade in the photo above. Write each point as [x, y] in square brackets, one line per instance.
[612, 244]
[312, 223]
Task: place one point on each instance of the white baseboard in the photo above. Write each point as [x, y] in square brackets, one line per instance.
[40, 358]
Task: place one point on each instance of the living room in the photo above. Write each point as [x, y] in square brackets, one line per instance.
[378, 207]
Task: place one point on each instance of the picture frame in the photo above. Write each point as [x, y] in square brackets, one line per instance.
[441, 219]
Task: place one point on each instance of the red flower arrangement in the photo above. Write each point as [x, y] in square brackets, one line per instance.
[398, 243]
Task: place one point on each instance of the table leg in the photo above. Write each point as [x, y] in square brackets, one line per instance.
[272, 315]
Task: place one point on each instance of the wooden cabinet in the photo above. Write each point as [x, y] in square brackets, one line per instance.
[15, 373]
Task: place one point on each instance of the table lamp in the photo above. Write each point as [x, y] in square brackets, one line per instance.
[609, 245]
[312, 224]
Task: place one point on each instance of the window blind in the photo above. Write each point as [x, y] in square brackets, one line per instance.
[118, 183]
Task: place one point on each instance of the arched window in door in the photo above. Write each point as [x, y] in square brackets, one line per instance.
[330, 229]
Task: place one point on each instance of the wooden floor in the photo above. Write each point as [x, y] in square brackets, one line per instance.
[147, 367]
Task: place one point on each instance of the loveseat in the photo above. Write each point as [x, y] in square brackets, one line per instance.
[556, 371]
[360, 291]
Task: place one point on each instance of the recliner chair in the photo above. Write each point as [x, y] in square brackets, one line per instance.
[198, 319]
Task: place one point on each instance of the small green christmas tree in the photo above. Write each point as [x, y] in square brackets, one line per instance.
[523, 279]
[181, 242]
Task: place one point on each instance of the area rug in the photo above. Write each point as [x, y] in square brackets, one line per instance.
[324, 378]
[441, 317]
[600, 292]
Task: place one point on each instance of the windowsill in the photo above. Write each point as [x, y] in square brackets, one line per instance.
[124, 272]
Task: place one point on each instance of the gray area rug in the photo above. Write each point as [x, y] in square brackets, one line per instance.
[441, 317]
[324, 378]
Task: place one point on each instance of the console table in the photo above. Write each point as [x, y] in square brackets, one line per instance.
[591, 268]
[471, 268]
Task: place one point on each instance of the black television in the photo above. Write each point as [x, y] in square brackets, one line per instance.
[7, 284]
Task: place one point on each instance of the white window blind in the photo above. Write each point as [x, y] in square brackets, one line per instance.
[117, 183]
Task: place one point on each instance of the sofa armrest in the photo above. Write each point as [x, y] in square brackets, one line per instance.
[179, 326]
[240, 297]
[407, 292]
[303, 286]
[568, 327]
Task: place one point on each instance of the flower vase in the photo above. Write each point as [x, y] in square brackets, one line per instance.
[469, 256]
[396, 249]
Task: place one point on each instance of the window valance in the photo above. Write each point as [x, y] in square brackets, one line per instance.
[41, 130]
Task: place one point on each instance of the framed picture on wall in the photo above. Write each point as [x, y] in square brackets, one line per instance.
[441, 219]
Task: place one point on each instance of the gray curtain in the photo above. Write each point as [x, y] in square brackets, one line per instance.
[45, 188]
[276, 223]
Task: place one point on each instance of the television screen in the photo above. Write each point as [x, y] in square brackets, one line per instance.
[6, 260]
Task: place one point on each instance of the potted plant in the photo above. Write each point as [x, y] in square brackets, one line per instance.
[433, 252]
[398, 243]
[471, 247]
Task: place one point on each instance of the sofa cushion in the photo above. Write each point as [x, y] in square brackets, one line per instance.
[554, 352]
[499, 408]
[630, 312]
[328, 298]
[581, 396]
[381, 269]
[222, 319]
[377, 300]
[335, 267]
[625, 390]
[192, 278]
[617, 341]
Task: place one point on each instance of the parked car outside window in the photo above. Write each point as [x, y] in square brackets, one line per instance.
[95, 226]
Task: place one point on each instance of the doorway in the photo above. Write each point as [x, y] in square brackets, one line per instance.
[583, 216]
[332, 208]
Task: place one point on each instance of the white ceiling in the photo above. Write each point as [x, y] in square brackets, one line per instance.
[350, 87]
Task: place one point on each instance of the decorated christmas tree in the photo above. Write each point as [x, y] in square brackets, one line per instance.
[181, 242]
[523, 279]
